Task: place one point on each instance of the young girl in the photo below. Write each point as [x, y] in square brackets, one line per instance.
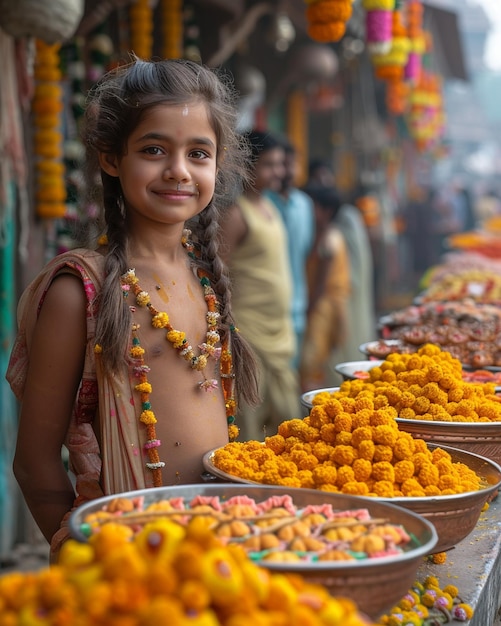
[128, 354]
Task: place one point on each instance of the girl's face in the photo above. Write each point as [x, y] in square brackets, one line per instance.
[169, 169]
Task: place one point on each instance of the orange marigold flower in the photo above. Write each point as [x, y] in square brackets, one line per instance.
[318, 416]
[355, 488]
[276, 443]
[343, 422]
[285, 428]
[324, 474]
[361, 418]
[366, 450]
[421, 405]
[328, 433]
[411, 487]
[384, 417]
[343, 439]
[345, 474]
[407, 413]
[364, 403]
[386, 435]
[383, 489]
[362, 469]
[364, 433]
[343, 455]
[428, 475]
[306, 478]
[404, 447]
[383, 471]
[382, 453]
[432, 490]
[403, 470]
[322, 451]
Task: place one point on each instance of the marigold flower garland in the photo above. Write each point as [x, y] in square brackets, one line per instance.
[208, 349]
[378, 22]
[141, 28]
[47, 106]
[327, 19]
[171, 12]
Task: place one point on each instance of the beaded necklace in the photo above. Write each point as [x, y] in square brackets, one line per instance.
[177, 338]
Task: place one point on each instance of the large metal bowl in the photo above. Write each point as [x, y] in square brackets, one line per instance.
[349, 369]
[483, 438]
[454, 516]
[375, 585]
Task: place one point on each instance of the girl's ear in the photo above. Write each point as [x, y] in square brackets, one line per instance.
[108, 163]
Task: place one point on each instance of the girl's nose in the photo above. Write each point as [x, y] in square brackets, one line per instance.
[177, 168]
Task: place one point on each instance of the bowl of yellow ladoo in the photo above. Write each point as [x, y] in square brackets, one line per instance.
[360, 549]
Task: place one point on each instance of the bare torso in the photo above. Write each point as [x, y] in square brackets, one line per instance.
[191, 420]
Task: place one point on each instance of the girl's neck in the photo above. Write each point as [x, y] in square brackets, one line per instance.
[163, 244]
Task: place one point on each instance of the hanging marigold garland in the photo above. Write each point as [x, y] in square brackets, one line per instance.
[378, 25]
[141, 29]
[414, 16]
[47, 105]
[327, 19]
[171, 12]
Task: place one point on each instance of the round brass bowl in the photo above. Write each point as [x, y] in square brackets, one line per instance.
[349, 369]
[454, 516]
[376, 585]
[483, 438]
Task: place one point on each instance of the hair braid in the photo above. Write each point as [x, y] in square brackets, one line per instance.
[244, 363]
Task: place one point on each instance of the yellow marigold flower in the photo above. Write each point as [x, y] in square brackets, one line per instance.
[343, 422]
[98, 349]
[434, 373]
[345, 474]
[136, 352]
[348, 405]
[375, 373]
[392, 394]
[276, 443]
[381, 402]
[176, 337]
[322, 451]
[307, 462]
[428, 475]
[420, 445]
[332, 407]
[448, 382]
[343, 439]
[432, 490]
[439, 558]
[143, 298]
[361, 418]
[463, 609]
[388, 376]
[421, 405]
[148, 417]
[324, 474]
[386, 435]
[406, 401]
[383, 489]
[364, 403]
[447, 481]
[318, 416]
[420, 458]
[383, 471]
[452, 590]
[233, 431]
[285, 429]
[362, 469]
[363, 433]
[160, 320]
[411, 487]
[306, 479]
[355, 488]
[384, 417]
[366, 450]
[404, 447]
[328, 433]
[343, 455]
[438, 454]
[407, 413]
[382, 453]
[321, 398]
[143, 387]
[403, 470]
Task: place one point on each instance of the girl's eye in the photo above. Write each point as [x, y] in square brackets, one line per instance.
[199, 154]
[153, 150]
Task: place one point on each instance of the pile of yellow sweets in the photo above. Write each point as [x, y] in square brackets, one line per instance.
[166, 574]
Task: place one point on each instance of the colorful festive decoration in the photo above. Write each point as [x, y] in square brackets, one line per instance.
[414, 19]
[390, 65]
[426, 117]
[141, 29]
[326, 19]
[378, 24]
[171, 12]
[47, 106]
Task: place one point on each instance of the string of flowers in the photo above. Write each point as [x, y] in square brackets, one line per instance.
[378, 23]
[426, 604]
[327, 19]
[414, 19]
[141, 28]
[172, 28]
[47, 106]
[390, 66]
